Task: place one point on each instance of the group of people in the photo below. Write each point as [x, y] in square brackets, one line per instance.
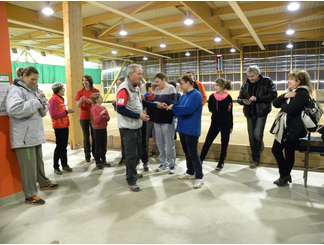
[163, 110]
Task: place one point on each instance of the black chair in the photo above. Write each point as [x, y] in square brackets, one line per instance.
[310, 144]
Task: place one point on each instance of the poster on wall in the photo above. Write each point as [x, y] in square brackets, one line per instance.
[4, 86]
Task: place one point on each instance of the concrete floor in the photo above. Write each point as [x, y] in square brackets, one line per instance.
[238, 205]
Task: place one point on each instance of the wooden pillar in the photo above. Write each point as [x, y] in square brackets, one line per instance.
[162, 65]
[241, 65]
[198, 65]
[10, 183]
[72, 24]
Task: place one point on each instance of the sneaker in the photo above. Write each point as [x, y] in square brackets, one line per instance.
[58, 171]
[34, 200]
[172, 170]
[146, 168]
[134, 188]
[253, 165]
[198, 183]
[161, 168]
[186, 176]
[67, 169]
[48, 187]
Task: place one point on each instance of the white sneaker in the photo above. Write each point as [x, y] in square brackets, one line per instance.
[198, 183]
[171, 170]
[186, 176]
[161, 168]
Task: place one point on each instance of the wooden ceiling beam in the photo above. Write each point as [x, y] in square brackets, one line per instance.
[95, 19]
[125, 15]
[120, 21]
[306, 35]
[181, 31]
[268, 19]
[238, 11]
[202, 11]
[29, 18]
[303, 26]
[246, 7]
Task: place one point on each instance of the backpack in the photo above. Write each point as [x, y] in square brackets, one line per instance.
[311, 115]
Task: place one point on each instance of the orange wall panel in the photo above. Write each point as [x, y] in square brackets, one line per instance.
[9, 170]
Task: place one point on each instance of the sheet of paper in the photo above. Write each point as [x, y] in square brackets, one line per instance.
[4, 86]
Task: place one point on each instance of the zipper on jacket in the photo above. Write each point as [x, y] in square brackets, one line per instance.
[25, 135]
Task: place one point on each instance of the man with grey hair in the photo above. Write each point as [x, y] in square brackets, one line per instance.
[256, 95]
[130, 117]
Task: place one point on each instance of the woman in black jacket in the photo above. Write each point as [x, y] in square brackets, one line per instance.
[220, 104]
[290, 125]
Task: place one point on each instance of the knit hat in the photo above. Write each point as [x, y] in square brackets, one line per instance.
[56, 87]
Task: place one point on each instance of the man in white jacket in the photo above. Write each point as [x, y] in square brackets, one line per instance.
[26, 105]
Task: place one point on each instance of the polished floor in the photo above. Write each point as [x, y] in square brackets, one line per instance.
[238, 205]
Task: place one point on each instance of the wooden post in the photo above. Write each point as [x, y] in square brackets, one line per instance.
[162, 65]
[72, 24]
[241, 65]
[198, 65]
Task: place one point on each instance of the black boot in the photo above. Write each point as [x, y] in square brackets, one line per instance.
[219, 166]
[121, 162]
[283, 181]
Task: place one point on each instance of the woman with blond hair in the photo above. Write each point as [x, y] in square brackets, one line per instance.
[289, 127]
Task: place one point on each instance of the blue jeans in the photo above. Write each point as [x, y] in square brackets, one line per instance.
[255, 127]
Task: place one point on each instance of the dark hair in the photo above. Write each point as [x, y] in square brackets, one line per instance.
[161, 76]
[19, 72]
[173, 84]
[224, 83]
[187, 79]
[29, 70]
[147, 86]
[94, 97]
[89, 79]
[57, 88]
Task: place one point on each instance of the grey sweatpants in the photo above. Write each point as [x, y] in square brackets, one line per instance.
[164, 136]
[31, 169]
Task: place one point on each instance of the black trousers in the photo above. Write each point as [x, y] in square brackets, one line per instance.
[285, 156]
[255, 127]
[189, 145]
[60, 152]
[100, 136]
[144, 156]
[132, 141]
[213, 131]
[87, 131]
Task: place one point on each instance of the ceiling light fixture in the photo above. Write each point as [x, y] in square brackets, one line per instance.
[293, 6]
[48, 11]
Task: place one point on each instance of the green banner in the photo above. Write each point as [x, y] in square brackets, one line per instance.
[54, 73]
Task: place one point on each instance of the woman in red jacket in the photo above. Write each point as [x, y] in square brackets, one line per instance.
[83, 100]
[60, 122]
